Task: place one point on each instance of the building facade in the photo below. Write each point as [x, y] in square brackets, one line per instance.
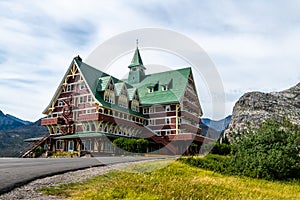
[91, 108]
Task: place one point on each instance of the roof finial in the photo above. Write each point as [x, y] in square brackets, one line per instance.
[137, 43]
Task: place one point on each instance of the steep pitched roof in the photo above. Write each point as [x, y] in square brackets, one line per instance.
[136, 60]
[178, 78]
[97, 82]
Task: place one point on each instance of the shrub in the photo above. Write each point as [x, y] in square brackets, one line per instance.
[269, 152]
[216, 148]
[132, 145]
[212, 162]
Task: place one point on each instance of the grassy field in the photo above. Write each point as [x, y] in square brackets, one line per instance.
[175, 181]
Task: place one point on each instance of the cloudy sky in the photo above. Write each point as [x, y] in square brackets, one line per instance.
[254, 45]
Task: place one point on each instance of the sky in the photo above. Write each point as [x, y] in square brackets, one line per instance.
[254, 45]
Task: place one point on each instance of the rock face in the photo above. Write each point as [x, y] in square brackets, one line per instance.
[255, 107]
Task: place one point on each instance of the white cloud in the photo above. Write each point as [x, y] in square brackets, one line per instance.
[253, 44]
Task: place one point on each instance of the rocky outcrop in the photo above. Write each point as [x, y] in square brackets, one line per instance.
[253, 108]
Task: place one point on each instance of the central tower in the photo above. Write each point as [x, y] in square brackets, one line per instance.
[137, 69]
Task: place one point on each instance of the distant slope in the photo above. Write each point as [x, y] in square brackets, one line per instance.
[214, 129]
[8, 122]
[11, 141]
[219, 125]
[18, 120]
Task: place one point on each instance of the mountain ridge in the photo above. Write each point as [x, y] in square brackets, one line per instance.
[253, 108]
[8, 121]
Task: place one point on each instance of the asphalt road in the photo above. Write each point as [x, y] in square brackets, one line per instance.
[15, 172]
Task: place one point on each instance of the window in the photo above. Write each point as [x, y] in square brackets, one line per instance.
[71, 145]
[60, 103]
[59, 145]
[89, 98]
[88, 111]
[82, 86]
[88, 128]
[168, 108]
[150, 110]
[151, 121]
[150, 90]
[86, 145]
[168, 132]
[164, 87]
[168, 120]
[145, 110]
[135, 108]
[81, 99]
[69, 88]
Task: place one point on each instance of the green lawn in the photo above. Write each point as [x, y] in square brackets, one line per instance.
[175, 181]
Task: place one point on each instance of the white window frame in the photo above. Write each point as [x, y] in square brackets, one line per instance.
[71, 146]
[151, 122]
[88, 128]
[81, 100]
[164, 87]
[60, 103]
[59, 145]
[168, 120]
[168, 108]
[69, 88]
[87, 145]
[89, 98]
[151, 110]
[145, 110]
[82, 85]
[151, 89]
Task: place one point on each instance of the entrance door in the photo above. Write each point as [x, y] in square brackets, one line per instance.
[71, 146]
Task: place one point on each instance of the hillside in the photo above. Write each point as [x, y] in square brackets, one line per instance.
[214, 129]
[8, 122]
[255, 107]
[11, 141]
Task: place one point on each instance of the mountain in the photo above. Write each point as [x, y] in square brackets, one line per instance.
[8, 122]
[219, 125]
[12, 141]
[214, 129]
[253, 108]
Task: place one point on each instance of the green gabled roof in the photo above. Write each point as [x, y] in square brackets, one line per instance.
[97, 82]
[131, 92]
[118, 87]
[99, 97]
[136, 60]
[102, 83]
[174, 94]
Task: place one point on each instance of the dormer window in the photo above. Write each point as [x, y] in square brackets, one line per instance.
[150, 90]
[164, 87]
[109, 94]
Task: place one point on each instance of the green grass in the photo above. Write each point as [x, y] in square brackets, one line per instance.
[175, 181]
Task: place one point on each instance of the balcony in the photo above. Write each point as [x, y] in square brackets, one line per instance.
[107, 118]
[52, 121]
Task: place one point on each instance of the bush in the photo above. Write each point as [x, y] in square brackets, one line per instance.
[270, 152]
[132, 145]
[216, 148]
[212, 162]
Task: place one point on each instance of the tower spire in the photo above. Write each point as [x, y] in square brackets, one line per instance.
[137, 68]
